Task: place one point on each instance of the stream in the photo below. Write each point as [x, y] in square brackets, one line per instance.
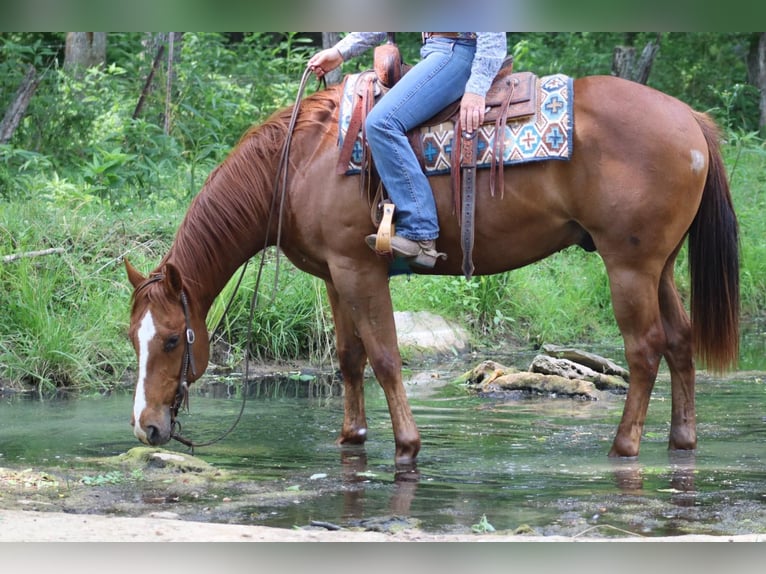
[532, 464]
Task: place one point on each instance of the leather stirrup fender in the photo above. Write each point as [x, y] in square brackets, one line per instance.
[469, 147]
[385, 230]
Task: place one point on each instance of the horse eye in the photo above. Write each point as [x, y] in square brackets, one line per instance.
[171, 343]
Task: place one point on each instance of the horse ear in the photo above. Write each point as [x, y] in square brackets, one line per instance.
[134, 276]
[173, 282]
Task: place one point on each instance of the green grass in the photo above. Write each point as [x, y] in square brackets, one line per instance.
[746, 163]
[63, 322]
[562, 299]
[64, 316]
[291, 318]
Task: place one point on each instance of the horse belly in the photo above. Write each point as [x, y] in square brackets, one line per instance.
[525, 225]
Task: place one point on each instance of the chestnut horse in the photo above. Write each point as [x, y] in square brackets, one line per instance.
[646, 172]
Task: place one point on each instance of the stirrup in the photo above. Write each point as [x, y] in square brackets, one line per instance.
[418, 253]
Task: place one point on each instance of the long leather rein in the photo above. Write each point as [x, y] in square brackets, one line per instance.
[182, 393]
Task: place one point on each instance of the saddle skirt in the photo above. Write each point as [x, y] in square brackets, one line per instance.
[539, 125]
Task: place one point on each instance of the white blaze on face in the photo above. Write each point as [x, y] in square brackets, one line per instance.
[146, 332]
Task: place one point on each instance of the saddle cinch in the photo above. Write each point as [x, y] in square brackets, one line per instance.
[512, 96]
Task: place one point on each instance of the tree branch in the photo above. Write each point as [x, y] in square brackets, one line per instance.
[28, 254]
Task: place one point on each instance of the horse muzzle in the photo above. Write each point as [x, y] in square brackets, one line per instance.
[153, 432]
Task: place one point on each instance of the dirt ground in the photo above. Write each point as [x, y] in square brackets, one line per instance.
[35, 526]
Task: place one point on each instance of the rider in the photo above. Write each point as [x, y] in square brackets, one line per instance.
[453, 65]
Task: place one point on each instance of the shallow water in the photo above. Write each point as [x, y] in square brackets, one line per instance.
[535, 462]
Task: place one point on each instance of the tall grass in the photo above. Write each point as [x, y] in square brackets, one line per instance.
[562, 299]
[58, 327]
[291, 314]
[746, 162]
[64, 317]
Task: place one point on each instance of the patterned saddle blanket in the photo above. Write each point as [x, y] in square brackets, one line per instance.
[545, 134]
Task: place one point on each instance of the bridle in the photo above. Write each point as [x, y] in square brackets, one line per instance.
[182, 392]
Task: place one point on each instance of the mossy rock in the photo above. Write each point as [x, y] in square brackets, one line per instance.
[157, 458]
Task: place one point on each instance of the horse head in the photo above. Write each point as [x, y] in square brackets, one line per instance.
[170, 339]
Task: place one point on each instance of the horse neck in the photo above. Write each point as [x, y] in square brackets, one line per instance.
[225, 225]
[229, 221]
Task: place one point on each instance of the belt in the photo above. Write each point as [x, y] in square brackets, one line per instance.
[453, 35]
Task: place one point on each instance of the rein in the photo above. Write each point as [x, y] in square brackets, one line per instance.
[182, 394]
[280, 181]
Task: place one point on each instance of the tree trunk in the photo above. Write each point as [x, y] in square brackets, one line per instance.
[19, 105]
[645, 63]
[84, 50]
[329, 39]
[169, 82]
[148, 83]
[757, 73]
[624, 63]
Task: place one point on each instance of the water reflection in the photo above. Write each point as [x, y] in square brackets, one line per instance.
[629, 476]
[356, 474]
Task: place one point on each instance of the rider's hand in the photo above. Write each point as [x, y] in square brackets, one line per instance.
[471, 111]
[325, 61]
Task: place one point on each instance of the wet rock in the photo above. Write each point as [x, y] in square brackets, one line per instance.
[484, 373]
[545, 365]
[157, 458]
[556, 377]
[595, 362]
[387, 524]
[536, 383]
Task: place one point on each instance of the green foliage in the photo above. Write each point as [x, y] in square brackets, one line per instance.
[82, 173]
[704, 69]
[746, 161]
[563, 298]
[291, 317]
[58, 328]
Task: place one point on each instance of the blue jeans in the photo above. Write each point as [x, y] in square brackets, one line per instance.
[436, 81]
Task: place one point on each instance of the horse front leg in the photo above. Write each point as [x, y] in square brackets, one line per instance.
[352, 359]
[364, 303]
[378, 332]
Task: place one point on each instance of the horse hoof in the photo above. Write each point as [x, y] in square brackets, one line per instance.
[617, 452]
[406, 455]
[682, 441]
[357, 436]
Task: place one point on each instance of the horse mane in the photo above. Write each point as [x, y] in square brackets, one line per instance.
[235, 202]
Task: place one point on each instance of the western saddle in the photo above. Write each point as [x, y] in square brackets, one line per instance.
[512, 96]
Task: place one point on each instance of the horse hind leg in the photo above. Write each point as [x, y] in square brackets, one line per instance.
[680, 360]
[636, 308]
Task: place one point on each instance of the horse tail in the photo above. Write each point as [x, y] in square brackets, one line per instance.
[714, 264]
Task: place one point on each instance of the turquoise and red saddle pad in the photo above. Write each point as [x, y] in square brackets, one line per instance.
[544, 135]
